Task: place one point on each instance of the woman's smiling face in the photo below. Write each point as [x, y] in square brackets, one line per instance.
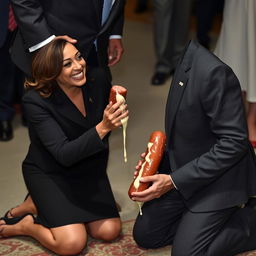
[73, 71]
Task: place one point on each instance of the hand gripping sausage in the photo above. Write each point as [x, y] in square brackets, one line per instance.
[150, 164]
[115, 92]
[118, 93]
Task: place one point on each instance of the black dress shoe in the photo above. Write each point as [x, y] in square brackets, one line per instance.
[6, 131]
[159, 78]
[141, 6]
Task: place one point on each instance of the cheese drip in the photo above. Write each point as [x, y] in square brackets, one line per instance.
[124, 121]
[136, 182]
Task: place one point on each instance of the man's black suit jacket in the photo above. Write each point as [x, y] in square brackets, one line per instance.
[211, 160]
[81, 19]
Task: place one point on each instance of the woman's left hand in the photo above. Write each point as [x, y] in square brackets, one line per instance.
[112, 116]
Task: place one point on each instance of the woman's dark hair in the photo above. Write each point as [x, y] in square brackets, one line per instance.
[47, 64]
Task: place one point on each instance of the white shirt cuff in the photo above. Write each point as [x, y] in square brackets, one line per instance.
[41, 44]
[172, 182]
[115, 37]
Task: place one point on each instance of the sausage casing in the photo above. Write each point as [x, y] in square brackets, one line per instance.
[150, 164]
[117, 89]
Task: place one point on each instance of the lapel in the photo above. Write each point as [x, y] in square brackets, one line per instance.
[178, 86]
[114, 10]
[63, 105]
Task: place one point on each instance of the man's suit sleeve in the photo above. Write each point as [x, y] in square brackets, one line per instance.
[49, 132]
[31, 21]
[221, 102]
[117, 28]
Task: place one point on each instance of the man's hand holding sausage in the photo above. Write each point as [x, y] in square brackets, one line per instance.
[161, 183]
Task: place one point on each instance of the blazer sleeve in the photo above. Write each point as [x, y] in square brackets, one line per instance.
[49, 132]
[221, 102]
[119, 24]
[31, 21]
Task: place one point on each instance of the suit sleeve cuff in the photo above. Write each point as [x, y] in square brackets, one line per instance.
[41, 44]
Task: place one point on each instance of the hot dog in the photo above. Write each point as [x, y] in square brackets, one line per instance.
[115, 91]
[150, 164]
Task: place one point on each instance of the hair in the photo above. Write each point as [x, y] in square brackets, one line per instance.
[47, 64]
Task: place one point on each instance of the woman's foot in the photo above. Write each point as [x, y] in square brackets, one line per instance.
[27, 206]
[17, 228]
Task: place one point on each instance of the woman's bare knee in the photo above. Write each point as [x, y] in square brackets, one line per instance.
[70, 239]
[106, 230]
[70, 246]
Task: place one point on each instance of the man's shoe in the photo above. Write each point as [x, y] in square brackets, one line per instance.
[6, 131]
[140, 8]
[159, 78]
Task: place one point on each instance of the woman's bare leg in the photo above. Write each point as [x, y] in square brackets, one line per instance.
[106, 229]
[27, 206]
[64, 240]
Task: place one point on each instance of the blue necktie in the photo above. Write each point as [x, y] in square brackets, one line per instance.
[106, 10]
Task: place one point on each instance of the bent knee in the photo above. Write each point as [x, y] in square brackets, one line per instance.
[143, 240]
[108, 234]
[71, 246]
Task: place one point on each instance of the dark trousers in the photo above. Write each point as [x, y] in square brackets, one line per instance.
[11, 82]
[167, 221]
[206, 10]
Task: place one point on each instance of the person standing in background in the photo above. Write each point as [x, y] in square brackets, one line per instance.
[96, 25]
[11, 78]
[171, 28]
[236, 47]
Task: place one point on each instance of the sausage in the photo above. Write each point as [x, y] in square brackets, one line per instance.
[150, 164]
[115, 90]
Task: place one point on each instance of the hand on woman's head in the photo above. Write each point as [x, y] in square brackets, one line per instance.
[66, 38]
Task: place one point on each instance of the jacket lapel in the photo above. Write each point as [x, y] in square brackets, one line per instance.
[178, 86]
[66, 108]
[175, 95]
[115, 9]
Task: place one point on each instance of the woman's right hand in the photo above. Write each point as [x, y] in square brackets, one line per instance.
[112, 116]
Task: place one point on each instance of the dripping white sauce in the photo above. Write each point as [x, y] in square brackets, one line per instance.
[124, 122]
[136, 182]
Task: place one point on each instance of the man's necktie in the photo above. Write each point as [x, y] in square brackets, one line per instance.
[11, 23]
[107, 4]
